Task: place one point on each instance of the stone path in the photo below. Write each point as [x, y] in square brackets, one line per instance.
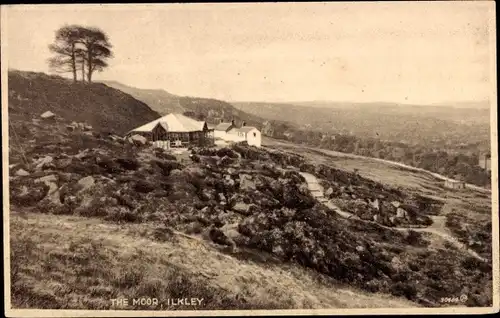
[437, 228]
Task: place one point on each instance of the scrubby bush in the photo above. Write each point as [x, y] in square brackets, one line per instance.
[416, 239]
[143, 186]
[24, 192]
[128, 163]
[226, 152]
[167, 166]
[109, 165]
[121, 214]
[425, 220]
[204, 151]
[165, 156]
[226, 161]
[195, 158]
[406, 289]
[251, 153]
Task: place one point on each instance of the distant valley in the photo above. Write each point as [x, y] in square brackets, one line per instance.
[387, 121]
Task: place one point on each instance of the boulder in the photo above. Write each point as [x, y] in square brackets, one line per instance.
[400, 213]
[53, 194]
[208, 194]
[205, 209]
[329, 192]
[22, 173]
[229, 182]
[138, 140]
[231, 231]
[41, 162]
[115, 137]
[374, 204]
[397, 264]
[86, 183]
[47, 179]
[85, 203]
[70, 200]
[246, 182]
[24, 191]
[48, 115]
[242, 208]
[82, 154]
[219, 237]
[396, 204]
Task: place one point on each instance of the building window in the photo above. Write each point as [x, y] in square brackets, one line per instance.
[255, 134]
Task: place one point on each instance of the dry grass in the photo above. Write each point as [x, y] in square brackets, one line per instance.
[68, 262]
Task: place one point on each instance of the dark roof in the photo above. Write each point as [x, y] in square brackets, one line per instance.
[223, 126]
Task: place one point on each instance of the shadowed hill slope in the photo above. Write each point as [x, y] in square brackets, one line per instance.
[103, 107]
[209, 109]
[159, 100]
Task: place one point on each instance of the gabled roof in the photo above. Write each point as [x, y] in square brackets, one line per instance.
[246, 129]
[223, 126]
[173, 123]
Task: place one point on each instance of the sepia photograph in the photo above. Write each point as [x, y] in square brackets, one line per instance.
[279, 158]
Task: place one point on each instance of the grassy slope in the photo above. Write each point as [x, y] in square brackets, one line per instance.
[124, 260]
[105, 108]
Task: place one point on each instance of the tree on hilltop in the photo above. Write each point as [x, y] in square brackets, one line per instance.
[97, 49]
[80, 48]
[65, 47]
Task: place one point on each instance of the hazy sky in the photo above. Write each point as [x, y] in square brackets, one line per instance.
[398, 52]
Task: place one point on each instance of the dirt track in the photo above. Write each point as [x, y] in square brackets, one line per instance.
[437, 228]
[393, 163]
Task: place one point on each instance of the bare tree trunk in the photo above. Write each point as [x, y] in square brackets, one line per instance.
[83, 69]
[89, 64]
[73, 62]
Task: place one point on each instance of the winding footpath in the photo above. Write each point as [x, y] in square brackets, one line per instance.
[333, 153]
[436, 228]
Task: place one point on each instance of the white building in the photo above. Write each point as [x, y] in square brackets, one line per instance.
[228, 132]
[221, 130]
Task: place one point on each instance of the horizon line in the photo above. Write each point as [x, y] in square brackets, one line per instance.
[289, 102]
